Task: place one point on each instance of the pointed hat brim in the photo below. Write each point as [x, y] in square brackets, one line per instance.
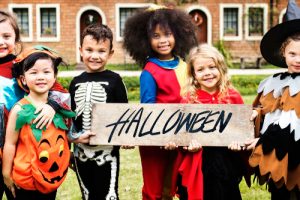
[271, 42]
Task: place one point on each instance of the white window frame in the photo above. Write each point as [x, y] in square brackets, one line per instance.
[265, 19]
[240, 28]
[29, 7]
[38, 23]
[281, 15]
[117, 17]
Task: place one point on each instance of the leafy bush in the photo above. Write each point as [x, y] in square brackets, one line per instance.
[225, 52]
[245, 84]
[132, 85]
[133, 88]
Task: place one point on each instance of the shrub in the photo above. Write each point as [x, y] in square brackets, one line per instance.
[245, 84]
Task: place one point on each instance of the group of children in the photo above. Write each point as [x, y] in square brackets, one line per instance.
[39, 127]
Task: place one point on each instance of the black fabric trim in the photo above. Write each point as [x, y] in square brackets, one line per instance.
[54, 104]
[283, 141]
[8, 58]
[283, 75]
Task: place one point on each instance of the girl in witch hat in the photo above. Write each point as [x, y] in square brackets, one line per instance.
[277, 111]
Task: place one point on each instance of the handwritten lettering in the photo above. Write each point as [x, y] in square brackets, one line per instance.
[133, 121]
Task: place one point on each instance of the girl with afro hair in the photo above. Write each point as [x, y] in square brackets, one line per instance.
[157, 39]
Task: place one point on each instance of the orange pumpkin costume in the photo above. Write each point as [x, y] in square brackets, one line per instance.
[40, 163]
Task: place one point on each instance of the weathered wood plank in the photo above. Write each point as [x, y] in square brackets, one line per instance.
[158, 124]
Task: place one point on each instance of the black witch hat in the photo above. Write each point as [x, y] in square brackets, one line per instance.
[273, 39]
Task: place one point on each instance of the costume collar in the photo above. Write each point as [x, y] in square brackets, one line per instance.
[8, 58]
[167, 64]
[283, 75]
[206, 94]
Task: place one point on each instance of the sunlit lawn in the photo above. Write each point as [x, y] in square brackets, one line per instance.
[130, 180]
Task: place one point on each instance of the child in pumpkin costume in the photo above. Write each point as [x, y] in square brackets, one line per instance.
[276, 153]
[11, 91]
[35, 161]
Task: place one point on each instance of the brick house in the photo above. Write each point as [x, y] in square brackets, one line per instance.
[58, 23]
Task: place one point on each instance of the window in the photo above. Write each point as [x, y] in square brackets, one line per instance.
[23, 13]
[230, 21]
[256, 21]
[48, 23]
[123, 12]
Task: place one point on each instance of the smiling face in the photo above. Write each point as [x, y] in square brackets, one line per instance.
[162, 42]
[40, 77]
[292, 56]
[7, 38]
[207, 74]
[95, 54]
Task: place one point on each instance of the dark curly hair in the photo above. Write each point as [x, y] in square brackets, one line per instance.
[98, 32]
[139, 28]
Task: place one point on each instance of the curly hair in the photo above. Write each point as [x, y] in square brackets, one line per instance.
[140, 27]
[98, 32]
[205, 51]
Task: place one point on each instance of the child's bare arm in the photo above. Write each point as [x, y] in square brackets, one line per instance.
[9, 150]
[45, 116]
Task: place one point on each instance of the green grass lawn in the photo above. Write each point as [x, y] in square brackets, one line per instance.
[130, 180]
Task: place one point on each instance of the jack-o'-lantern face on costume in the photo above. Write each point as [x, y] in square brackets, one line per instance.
[51, 153]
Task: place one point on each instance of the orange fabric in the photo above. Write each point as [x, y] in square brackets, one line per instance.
[290, 102]
[269, 103]
[257, 122]
[284, 102]
[30, 50]
[41, 165]
[271, 167]
[293, 179]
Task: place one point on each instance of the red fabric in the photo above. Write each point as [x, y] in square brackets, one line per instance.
[58, 87]
[189, 165]
[233, 97]
[156, 164]
[168, 87]
[190, 168]
[6, 69]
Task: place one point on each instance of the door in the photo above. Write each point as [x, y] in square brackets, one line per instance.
[200, 20]
[87, 18]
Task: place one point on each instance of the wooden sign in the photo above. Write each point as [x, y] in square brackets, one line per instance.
[158, 124]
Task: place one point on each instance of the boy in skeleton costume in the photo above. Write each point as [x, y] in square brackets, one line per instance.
[97, 167]
[276, 153]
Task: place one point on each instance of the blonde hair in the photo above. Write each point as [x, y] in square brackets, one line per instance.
[205, 51]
